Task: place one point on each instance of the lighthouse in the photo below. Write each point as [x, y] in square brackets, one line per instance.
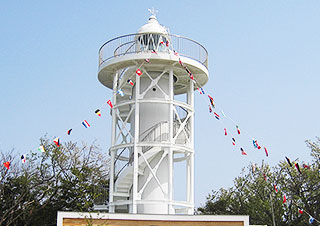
[153, 75]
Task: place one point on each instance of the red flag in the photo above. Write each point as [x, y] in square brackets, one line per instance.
[7, 165]
[305, 166]
[138, 72]
[167, 44]
[266, 151]
[110, 104]
[300, 211]
[191, 77]
[225, 132]
[238, 130]
[275, 188]
[180, 62]
[284, 199]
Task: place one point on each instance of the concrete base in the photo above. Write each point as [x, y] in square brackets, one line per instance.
[107, 219]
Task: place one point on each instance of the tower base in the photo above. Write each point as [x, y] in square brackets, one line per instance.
[107, 219]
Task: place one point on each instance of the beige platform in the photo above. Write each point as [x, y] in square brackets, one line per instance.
[106, 219]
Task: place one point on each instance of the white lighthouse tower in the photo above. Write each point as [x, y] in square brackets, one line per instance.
[152, 117]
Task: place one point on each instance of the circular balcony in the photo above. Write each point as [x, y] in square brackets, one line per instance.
[147, 42]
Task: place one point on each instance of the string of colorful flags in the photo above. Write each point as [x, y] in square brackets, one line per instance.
[214, 109]
[212, 106]
[284, 196]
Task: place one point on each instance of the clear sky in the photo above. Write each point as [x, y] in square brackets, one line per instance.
[264, 65]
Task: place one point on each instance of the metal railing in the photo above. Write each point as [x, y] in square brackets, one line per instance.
[147, 42]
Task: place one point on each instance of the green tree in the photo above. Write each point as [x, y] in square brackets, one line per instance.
[254, 193]
[64, 178]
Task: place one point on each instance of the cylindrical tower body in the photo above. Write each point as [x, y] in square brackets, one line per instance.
[152, 117]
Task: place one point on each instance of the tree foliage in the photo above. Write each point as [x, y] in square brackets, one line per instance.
[64, 178]
[254, 193]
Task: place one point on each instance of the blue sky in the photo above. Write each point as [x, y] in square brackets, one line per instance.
[264, 65]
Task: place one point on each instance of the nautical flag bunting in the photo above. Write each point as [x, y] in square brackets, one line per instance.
[138, 72]
[7, 165]
[98, 112]
[266, 151]
[305, 166]
[253, 167]
[211, 101]
[254, 143]
[243, 152]
[284, 199]
[23, 158]
[233, 141]
[216, 115]
[265, 177]
[56, 141]
[289, 162]
[69, 131]
[130, 82]
[120, 92]
[297, 166]
[238, 130]
[85, 124]
[187, 70]
[110, 104]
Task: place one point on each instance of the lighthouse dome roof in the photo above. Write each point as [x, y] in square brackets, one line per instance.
[153, 26]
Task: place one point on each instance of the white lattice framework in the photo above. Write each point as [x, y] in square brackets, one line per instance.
[122, 138]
